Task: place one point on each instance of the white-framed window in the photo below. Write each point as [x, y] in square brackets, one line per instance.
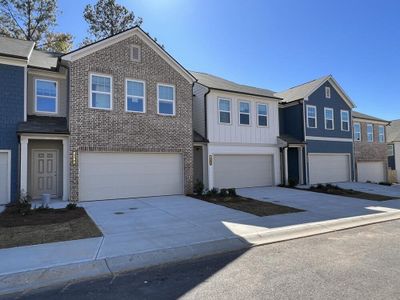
[345, 120]
[357, 132]
[327, 92]
[262, 115]
[370, 133]
[224, 110]
[381, 132]
[100, 91]
[135, 99]
[329, 119]
[135, 53]
[390, 150]
[244, 113]
[46, 94]
[166, 99]
[311, 116]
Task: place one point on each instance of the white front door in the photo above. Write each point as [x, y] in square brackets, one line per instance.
[329, 167]
[44, 172]
[4, 177]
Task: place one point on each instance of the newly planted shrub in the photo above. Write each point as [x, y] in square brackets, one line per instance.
[198, 187]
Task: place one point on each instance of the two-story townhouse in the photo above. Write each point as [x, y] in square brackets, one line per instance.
[370, 148]
[236, 129]
[315, 120]
[130, 119]
[393, 153]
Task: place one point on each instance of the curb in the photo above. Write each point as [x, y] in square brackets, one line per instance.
[19, 282]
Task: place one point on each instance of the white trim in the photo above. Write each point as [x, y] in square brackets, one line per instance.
[50, 97]
[105, 93]
[13, 61]
[307, 116]
[45, 73]
[244, 113]
[341, 119]
[369, 125]
[262, 115]
[141, 97]
[328, 92]
[328, 139]
[9, 173]
[227, 111]
[354, 132]
[333, 118]
[166, 100]
[25, 93]
[369, 121]
[131, 46]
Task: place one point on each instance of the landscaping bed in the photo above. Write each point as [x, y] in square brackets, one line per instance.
[335, 190]
[41, 226]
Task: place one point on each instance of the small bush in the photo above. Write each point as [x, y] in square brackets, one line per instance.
[71, 206]
[198, 187]
[385, 183]
[223, 192]
[292, 182]
[232, 192]
[212, 192]
[24, 204]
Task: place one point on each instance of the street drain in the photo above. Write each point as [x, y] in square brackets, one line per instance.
[133, 208]
[119, 213]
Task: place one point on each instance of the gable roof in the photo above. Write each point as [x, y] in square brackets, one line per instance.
[221, 84]
[303, 91]
[358, 115]
[96, 46]
[44, 60]
[15, 48]
[393, 131]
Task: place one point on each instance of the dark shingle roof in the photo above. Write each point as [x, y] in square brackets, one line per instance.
[197, 137]
[41, 124]
[15, 48]
[359, 115]
[43, 59]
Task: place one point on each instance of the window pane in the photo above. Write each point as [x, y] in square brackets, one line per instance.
[262, 121]
[101, 84]
[135, 104]
[329, 124]
[244, 107]
[311, 112]
[225, 105]
[101, 100]
[262, 109]
[345, 125]
[135, 88]
[166, 107]
[46, 104]
[329, 114]
[311, 122]
[224, 117]
[244, 119]
[46, 88]
[166, 92]
[345, 116]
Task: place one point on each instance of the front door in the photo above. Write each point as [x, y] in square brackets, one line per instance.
[44, 172]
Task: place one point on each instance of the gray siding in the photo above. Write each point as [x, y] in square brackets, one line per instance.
[199, 115]
[291, 121]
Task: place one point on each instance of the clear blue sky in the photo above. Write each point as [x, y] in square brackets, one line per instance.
[277, 44]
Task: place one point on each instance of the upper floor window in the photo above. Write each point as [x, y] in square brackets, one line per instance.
[100, 91]
[135, 96]
[327, 92]
[370, 133]
[329, 124]
[45, 96]
[135, 53]
[390, 150]
[262, 114]
[357, 132]
[311, 116]
[381, 137]
[244, 113]
[166, 99]
[345, 120]
[224, 110]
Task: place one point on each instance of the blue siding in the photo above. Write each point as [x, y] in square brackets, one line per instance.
[291, 121]
[337, 103]
[11, 113]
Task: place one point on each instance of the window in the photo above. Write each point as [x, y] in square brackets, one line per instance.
[370, 133]
[327, 92]
[224, 111]
[357, 132]
[45, 96]
[311, 116]
[345, 120]
[166, 99]
[262, 114]
[390, 150]
[135, 96]
[381, 137]
[100, 91]
[329, 125]
[135, 53]
[244, 113]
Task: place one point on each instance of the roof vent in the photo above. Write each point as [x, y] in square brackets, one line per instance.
[135, 53]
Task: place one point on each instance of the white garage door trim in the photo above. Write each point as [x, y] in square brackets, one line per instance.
[268, 179]
[8, 185]
[329, 154]
[379, 166]
[155, 181]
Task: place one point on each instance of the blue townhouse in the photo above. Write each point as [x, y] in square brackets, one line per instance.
[316, 133]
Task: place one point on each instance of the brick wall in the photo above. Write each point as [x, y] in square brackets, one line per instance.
[120, 131]
[369, 151]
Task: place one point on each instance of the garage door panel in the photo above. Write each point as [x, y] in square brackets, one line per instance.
[373, 171]
[243, 171]
[126, 175]
[329, 168]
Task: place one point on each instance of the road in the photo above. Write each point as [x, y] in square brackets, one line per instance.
[361, 263]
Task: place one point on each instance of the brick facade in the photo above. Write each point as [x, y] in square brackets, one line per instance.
[120, 131]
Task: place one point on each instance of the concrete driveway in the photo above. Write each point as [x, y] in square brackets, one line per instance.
[373, 188]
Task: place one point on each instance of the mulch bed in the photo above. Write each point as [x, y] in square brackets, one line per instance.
[248, 205]
[335, 190]
[45, 226]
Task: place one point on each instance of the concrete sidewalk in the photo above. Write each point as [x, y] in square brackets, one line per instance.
[145, 232]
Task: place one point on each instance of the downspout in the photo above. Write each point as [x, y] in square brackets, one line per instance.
[306, 181]
[205, 112]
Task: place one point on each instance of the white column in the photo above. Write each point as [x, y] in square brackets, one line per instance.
[285, 159]
[301, 163]
[24, 165]
[65, 195]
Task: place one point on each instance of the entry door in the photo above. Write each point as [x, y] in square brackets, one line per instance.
[44, 172]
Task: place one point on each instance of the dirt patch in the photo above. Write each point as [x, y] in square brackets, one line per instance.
[45, 226]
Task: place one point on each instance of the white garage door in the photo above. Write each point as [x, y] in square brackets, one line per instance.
[238, 171]
[373, 171]
[4, 178]
[126, 175]
[327, 168]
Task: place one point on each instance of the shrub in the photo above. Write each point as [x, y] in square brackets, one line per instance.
[198, 187]
[71, 206]
[212, 192]
[232, 192]
[385, 183]
[24, 203]
[292, 182]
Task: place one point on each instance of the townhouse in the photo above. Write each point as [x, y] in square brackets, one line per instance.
[393, 150]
